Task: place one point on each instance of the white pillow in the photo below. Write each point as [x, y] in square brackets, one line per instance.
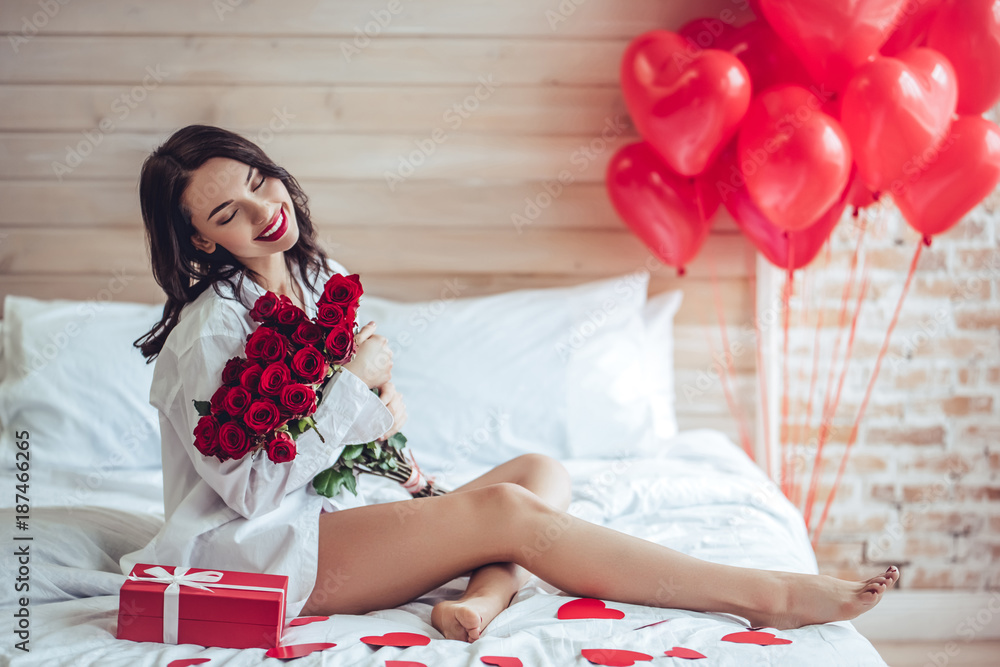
[557, 371]
[77, 385]
[659, 316]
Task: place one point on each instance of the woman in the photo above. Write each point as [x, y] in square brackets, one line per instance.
[219, 212]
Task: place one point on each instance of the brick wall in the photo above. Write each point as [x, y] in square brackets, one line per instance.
[921, 488]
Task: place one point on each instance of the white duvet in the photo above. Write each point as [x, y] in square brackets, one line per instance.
[702, 496]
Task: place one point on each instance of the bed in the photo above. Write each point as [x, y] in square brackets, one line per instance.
[582, 373]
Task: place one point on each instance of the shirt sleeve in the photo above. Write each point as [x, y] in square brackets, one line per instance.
[350, 413]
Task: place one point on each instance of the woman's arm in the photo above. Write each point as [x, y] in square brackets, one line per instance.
[348, 414]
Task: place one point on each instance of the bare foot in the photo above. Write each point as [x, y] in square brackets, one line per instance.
[811, 599]
[465, 619]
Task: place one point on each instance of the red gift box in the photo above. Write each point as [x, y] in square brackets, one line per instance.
[206, 607]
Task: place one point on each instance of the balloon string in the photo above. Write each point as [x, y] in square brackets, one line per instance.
[868, 391]
[799, 420]
[812, 392]
[826, 425]
[728, 372]
[828, 392]
[762, 385]
[786, 298]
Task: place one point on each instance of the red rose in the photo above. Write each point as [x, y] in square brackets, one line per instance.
[218, 400]
[233, 440]
[342, 290]
[330, 315]
[231, 373]
[262, 416]
[266, 345]
[340, 345]
[274, 377]
[351, 313]
[206, 435]
[281, 448]
[309, 333]
[250, 377]
[297, 399]
[290, 315]
[309, 365]
[265, 308]
[237, 401]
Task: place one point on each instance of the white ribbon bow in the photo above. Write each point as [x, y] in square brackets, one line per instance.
[172, 594]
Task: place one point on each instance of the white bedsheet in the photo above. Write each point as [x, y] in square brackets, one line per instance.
[702, 496]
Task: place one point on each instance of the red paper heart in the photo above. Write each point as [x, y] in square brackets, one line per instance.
[896, 109]
[613, 657]
[399, 639]
[501, 661]
[306, 620]
[185, 662]
[669, 213]
[833, 38]
[403, 663]
[296, 650]
[681, 652]
[964, 170]
[686, 102]
[754, 637]
[588, 608]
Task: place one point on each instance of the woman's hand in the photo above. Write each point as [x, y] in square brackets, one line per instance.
[372, 362]
[394, 401]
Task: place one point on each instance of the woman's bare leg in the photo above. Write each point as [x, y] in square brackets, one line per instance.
[492, 586]
[381, 556]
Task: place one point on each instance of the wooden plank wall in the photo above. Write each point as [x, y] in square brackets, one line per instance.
[342, 92]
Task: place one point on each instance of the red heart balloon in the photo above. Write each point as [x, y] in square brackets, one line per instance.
[968, 34]
[894, 110]
[296, 650]
[669, 213]
[767, 58]
[681, 652]
[613, 657]
[911, 26]
[755, 637]
[400, 639]
[773, 242]
[796, 159]
[833, 38]
[501, 661]
[588, 608]
[306, 620]
[685, 101]
[964, 169]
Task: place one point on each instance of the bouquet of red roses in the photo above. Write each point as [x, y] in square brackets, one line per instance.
[268, 397]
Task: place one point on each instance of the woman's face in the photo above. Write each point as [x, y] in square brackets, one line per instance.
[234, 205]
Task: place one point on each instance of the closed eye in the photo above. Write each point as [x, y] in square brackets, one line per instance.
[255, 188]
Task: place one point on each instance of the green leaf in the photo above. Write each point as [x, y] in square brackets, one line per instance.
[352, 452]
[397, 440]
[203, 407]
[329, 482]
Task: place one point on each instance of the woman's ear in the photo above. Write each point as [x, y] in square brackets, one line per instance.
[203, 244]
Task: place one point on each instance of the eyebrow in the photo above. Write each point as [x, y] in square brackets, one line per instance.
[227, 203]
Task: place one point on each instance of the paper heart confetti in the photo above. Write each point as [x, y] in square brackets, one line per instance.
[306, 620]
[754, 637]
[296, 650]
[613, 657]
[185, 662]
[681, 652]
[398, 639]
[403, 663]
[501, 661]
[588, 608]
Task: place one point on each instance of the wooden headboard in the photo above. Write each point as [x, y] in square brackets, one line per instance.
[429, 136]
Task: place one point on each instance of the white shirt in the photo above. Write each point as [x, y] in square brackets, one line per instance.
[242, 514]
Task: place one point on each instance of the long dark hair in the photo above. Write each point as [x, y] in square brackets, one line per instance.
[176, 262]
